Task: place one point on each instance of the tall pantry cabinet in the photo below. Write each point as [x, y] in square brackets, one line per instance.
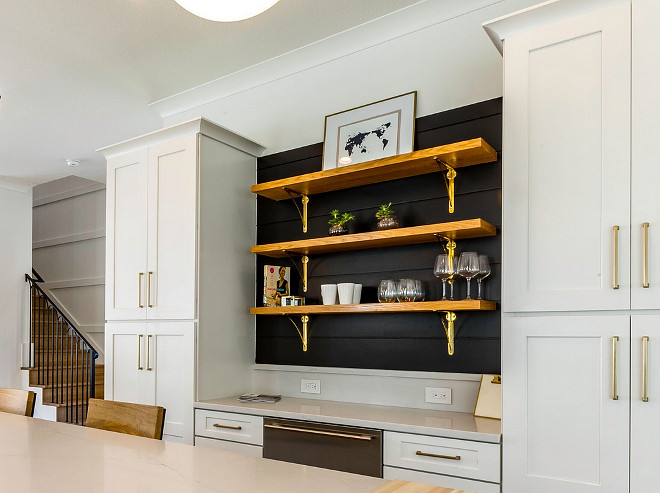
[179, 272]
[581, 246]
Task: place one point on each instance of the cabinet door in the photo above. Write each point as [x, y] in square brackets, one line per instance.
[645, 167]
[125, 358]
[566, 164]
[126, 237]
[644, 422]
[170, 365]
[562, 428]
[172, 258]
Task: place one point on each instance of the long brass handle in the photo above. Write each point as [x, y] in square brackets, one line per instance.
[149, 290]
[615, 281]
[645, 282]
[149, 368]
[140, 289]
[320, 432]
[645, 369]
[437, 456]
[216, 425]
[140, 336]
[615, 358]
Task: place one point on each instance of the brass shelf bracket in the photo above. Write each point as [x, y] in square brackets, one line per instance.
[450, 246]
[302, 273]
[304, 333]
[449, 178]
[449, 331]
[305, 200]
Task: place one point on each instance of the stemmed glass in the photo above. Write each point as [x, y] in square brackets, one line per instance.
[484, 272]
[445, 269]
[468, 267]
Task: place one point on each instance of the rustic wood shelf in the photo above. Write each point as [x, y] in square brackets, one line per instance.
[455, 230]
[457, 155]
[417, 306]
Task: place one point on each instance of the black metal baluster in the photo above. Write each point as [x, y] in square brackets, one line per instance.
[68, 379]
[77, 380]
[31, 322]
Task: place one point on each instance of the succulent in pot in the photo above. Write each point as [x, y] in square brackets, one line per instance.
[386, 217]
[338, 222]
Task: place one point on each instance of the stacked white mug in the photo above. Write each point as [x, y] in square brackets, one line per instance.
[349, 293]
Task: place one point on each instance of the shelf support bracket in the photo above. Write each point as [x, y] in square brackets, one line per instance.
[450, 247]
[449, 331]
[449, 178]
[304, 333]
[302, 273]
[305, 200]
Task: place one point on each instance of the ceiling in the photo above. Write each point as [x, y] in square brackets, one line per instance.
[76, 75]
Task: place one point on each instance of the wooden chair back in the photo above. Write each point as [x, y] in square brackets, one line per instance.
[124, 417]
[17, 401]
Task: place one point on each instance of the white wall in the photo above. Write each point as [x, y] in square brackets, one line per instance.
[15, 262]
[68, 250]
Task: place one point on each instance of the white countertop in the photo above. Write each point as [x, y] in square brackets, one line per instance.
[43, 456]
[407, 420]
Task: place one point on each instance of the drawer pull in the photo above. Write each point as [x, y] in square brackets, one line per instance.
[216, 425]
[321, 432]
[437, 456]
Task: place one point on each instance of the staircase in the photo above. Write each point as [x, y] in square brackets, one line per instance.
[62, 362]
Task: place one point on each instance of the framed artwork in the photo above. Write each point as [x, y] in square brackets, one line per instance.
[373, 131]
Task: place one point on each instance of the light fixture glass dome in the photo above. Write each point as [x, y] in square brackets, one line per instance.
[226, 10]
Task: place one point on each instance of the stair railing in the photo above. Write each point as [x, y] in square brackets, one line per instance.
[63, 359]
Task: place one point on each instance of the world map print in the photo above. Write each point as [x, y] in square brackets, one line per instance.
[368, 139]
[357, 142]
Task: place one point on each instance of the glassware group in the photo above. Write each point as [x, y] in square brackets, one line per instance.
[404, 290]
[469, 265]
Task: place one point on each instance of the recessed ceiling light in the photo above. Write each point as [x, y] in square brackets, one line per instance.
[345, 160]
[226, 10]
[72, 162]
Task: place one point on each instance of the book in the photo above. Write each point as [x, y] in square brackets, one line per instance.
[277, 280]
[252, 397]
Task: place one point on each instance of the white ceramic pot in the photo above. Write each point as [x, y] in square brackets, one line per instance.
[345, 290]
[357, 293]
[329, 294]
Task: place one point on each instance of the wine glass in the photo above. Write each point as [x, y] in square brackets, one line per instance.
[405, 290]
[420, 291]
[387, 291]
[484, 272]
[468, 267]
[444, 270]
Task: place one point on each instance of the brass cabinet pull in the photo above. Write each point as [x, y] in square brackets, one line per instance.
[140, 289]
[149, 368]
[615, 281]
[140, 336]
[436, 456]
[615, 350]
[216, 425]
[645, 282]
[149, 290]
[645, 369]
[320, 432]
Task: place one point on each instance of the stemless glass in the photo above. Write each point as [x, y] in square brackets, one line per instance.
[445, 269]
[405, 290]
[387, 291]
[484, 272]
[420, 291]
[468, 267]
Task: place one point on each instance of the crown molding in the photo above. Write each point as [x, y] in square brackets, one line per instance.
[15, 185]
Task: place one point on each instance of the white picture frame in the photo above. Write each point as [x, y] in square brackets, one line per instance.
[377, 130]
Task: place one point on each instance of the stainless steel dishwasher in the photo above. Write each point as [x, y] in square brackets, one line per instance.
[342, 448]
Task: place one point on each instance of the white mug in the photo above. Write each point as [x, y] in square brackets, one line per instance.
[329, 294]
[345, 292]
[357, 293]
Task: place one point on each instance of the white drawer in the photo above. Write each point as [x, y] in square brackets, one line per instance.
[463, 458]
[243, 428]
[439, 480]
[237, 448]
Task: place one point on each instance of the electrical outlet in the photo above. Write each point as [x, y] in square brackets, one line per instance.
[310, 386]
[438, 395]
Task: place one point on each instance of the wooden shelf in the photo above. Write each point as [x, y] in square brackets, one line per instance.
[458, 155]
[469, 228]
[419, 306]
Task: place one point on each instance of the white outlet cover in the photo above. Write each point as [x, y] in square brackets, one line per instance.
[310, 386]
[438, 395]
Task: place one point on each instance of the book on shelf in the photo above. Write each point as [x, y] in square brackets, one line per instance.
[277, 281]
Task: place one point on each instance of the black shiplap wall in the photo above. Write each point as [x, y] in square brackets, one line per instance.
[389, 341]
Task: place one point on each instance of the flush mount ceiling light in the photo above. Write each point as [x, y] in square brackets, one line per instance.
[72, 162]
[226, 10]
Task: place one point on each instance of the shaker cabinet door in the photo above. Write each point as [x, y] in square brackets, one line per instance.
[566, 165]
[125, 359]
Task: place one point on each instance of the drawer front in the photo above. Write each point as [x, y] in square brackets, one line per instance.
[243, 428]
[237, 448]
[440, 480]
[463, 458]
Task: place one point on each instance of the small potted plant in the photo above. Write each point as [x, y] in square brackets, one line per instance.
[386, 217]
[338, 222]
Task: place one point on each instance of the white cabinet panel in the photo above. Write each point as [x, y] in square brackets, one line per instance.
[566, 164]
[440, 480]
[126, 237]
[562, 428]
[237, 448]
[172, 256]
[125, 352]
[229, 426]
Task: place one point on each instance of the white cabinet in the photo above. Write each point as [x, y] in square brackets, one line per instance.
[562, 428]
[231, 432]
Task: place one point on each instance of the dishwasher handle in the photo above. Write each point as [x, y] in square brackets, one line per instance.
[320, 432]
